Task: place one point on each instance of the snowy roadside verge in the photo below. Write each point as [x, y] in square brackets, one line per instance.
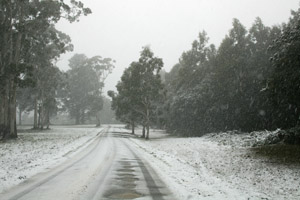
[219, 166]
[35, 151]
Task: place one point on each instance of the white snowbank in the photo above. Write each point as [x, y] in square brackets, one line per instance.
[35, 151]
[219, 166]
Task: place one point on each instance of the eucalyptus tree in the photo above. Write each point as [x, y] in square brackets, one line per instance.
[48, 83]
[85, 83]
[46, 75]
[260, 110]
[231, 78]
[149, 88]
[189, 95]
[139, 91]
[125, 102]
[21, 24]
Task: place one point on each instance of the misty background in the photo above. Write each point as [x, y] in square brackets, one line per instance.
[119, 29]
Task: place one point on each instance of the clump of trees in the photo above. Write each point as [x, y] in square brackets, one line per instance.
[251, 82]
[77, 91]
[85, 80]
[284, 83]
[139, 92]
[29, 44]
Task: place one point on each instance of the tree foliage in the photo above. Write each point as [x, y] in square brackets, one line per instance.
[223, 89]
[284, 83]
[85, 82]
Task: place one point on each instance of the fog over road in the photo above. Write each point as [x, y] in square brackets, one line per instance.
[109, 168]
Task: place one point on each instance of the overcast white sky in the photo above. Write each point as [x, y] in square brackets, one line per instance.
[120, 28]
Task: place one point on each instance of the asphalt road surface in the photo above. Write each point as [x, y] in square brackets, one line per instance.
[109, 168]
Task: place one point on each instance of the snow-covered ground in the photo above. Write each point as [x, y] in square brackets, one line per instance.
[216, 166]
[35, 151]
[219, 166]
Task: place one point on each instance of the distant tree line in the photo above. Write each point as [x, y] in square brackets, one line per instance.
[77, 92]
[251, 82]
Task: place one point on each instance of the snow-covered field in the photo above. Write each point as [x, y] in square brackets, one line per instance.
[35, 151]
[220, 166]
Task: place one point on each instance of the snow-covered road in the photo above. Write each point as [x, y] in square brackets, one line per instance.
[108, 168]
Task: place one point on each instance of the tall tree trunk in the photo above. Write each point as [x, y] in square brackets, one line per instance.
[1, 115]
[16, 125]
[3, 95]
[147, 123]
[17, 54]
[20, 117]
[6, 105]
[98, 119]
[11, 112]
[42, 112]
[4, 109]
[132, 127]
[144, 131]
[42, 118]
[14, 57]
[8, 110]
[48, 118]
[39, 117]
[3, 62]
[35, 118]
[147, 136]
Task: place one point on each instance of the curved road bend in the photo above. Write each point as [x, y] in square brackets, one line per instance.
[106, 169]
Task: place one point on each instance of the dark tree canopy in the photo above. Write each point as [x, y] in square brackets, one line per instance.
[284, 83]
[224, 88]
